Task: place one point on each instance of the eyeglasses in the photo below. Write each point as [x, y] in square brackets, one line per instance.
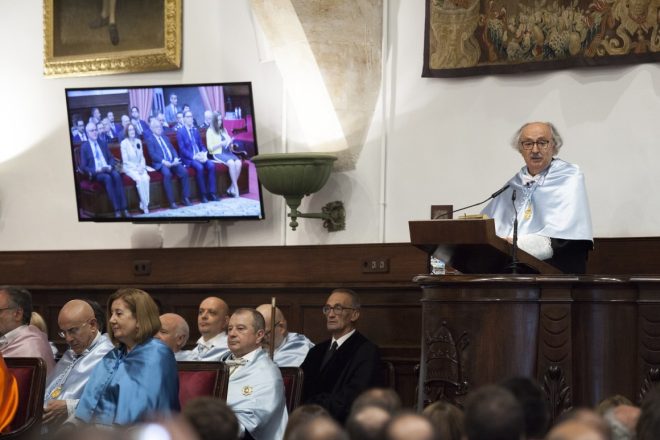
[338, 309]
[543, 144]
[73, 331]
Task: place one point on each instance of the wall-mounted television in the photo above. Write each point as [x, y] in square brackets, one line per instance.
[164, 153]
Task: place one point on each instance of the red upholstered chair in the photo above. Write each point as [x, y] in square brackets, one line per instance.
[30, 375]
[293, 385]
[198, 379]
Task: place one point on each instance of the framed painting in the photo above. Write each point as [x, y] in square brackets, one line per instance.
[83, 37]
[475, 37]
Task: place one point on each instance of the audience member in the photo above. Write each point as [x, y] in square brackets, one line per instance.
[165, 160]
[532, 400]
[648, 424]
[186, 108]
[410, 426]
[8, 396]
[174, 332]
[87, 346]
[290, 348]
[161, 118]
[38, 321]
[554, 221]
[385, 398]
[302, 415]
[179, 121]
[493, 413]
[211, 419]
[339, 369]
[208, 115]
[134, 165]
[448, 420]
[622, 420]
[140, 125]
[139, 375]
[193, 154]
[212, 321]
[115, 127]
[125, 120]
[99, 165]
[610, 402]
[17, 337]
[367, 423]
[78, 132]
[109, 128]
[95, 115]
[586, 416]
[256, 390]
[221, 147]
[105, 134]
[575, 430]
[318, 428]
[171, 110]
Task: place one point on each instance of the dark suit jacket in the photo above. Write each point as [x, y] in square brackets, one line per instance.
[186, 146]
[87, 163]
[352, 369]
[156, 152]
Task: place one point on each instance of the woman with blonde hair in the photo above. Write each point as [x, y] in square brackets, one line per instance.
[139, 376]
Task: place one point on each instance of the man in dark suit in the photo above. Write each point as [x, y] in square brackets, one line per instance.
[115, 127]
[339, 369]
[165, 159]
[194, 154]
[140, 125]
[97, 162]
[78, 131]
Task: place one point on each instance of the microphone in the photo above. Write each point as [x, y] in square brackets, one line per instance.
[492, 196]
[514, 242]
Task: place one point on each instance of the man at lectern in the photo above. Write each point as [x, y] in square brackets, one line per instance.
[550, 202]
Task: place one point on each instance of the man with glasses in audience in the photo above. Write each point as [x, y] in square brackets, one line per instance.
[549, 199]
[17, 337]
[87, 346]
[340, 368]
[290, 348]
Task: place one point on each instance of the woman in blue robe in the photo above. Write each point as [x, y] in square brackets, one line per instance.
[139, 376]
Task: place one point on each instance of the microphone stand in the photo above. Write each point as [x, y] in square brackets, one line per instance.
[492, 196]
[514, 250]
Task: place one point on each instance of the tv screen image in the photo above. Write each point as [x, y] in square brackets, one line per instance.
[169, 153]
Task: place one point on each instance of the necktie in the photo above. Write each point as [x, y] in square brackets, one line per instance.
[192, 140]
[329, 353]
[233, 363]
[166, 151]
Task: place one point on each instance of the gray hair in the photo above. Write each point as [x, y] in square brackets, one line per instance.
[20, 298]
[258, 322]
[619, 430]
[556, 137]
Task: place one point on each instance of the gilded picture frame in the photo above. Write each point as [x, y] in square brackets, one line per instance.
[78, 40]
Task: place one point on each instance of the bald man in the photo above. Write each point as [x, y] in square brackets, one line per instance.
[212, 320]
[290, 348]
[174, 332]
[87, 346]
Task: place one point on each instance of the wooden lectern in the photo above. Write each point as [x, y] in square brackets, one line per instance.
[473, 245]
[583, 338]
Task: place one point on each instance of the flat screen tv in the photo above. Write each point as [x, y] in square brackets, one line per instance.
[169, 153]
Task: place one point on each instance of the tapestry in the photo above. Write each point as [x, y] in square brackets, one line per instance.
[475, 37]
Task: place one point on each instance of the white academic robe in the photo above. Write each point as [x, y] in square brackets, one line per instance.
[293, 350]
[206, 351]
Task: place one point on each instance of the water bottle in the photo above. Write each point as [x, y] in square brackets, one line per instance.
[437, 266]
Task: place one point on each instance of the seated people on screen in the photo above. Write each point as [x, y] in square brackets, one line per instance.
[212, 321]
[125, 120]
[139, 376]
[256, 390]
[174, 332]
[290, 348]
[165, 160]
[8, 396]
[179, 121]
[340, 368]
[208, 116]
[99, 165]
[87, 346]
[161, 118]
[554, 221]
[194, 154]
[95, 115]
[17, 337]
[115, 127]
[140, 125]
[110, 135]
[134, 165]
[220, 146]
